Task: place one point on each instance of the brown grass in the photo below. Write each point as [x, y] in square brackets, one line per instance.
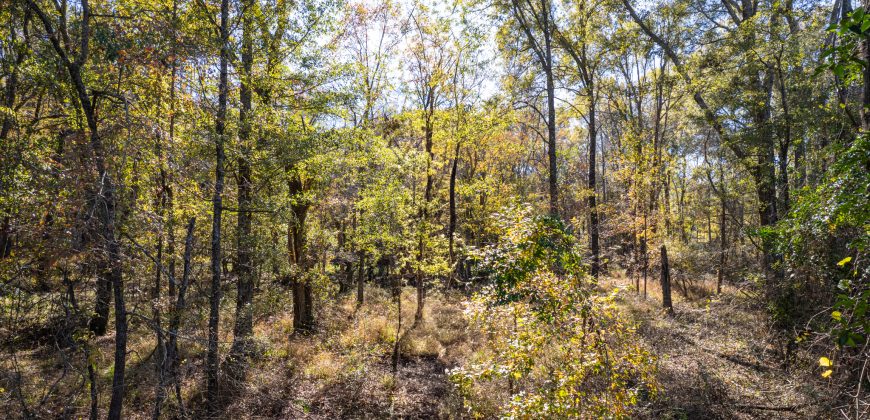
[718, 357]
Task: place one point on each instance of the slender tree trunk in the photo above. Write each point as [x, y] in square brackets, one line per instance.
[360, 285]
[764, 174]
[6, 238]
[551, 132]
[175, 319]
[541, 20]
[709, 221]
[667, 202]
[100, 319]
[346, 282]
[766, 192]
[86, 350]
[593, 209]
[681, 208]
[212, 358]
[451, 227]
[865, 96]
[784, 146]
[604, 195]
[243, 327]
[723, 237]
[172, 347]
[8, 120]
[644, 252]
[160, 350]
[397, 294]
[164, 210]
[635, 244]
[303, 313]
[424, 210]
[115, 274]
[800, 163]
[666, 282]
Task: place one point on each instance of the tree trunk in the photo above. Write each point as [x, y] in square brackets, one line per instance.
[8, 121]
[212, 360]
[551, 131]
[92, 377]
[175, 319]
[243, 327]
[303, 314]
[764, 175]
[451, 227]
[397, 295]
[644, 253]
[593, 210]
[360, 279]
[160, 350]
[667, 202]
[666, 282]
[720, 274]
[865, 96]
[424, 210]
[100, 319]
[164, 209]
[541, 20]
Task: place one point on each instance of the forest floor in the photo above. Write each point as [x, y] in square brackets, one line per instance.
[717, 358]
[345, 371]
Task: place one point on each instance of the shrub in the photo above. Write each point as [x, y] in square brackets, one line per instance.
[561, 348]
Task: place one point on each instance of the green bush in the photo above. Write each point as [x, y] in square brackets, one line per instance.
[556, 345]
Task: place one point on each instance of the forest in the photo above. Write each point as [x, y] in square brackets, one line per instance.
[323, 209]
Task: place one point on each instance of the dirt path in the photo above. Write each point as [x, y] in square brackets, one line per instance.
[718, 359]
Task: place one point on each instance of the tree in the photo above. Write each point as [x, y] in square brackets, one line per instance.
[536, 22]
[243, 327]
[588, 58]
[432, 61]
[212, 360]
[757, 143]
[110, 278]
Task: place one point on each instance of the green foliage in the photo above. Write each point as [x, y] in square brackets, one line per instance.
[840, 58]
[534, 247]
[827, 236]
[559, 347]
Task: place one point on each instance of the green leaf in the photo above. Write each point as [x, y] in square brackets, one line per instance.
[837, 315]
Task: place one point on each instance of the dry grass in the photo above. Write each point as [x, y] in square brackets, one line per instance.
[343, 370]
[718, 357]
